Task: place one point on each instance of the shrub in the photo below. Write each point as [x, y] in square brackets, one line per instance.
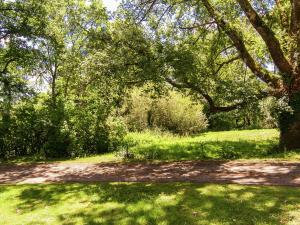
[124, 151]
[173, 112]
[179, 115]
[117, 131]
[24, 132]
[37, 128]
[139, 106]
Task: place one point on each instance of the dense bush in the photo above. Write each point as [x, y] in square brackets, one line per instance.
[178, 114]
[138, 108]
[36, 128]
[24, 132]
[172, 112]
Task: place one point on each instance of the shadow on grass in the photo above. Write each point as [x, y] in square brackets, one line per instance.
[207, 150]
[174, 203]
[237, 145]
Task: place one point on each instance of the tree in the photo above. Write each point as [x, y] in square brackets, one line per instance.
[21, 26]
[69, 47]
[277, 23]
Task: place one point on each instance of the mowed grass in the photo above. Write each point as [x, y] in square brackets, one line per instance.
[145, 203]
[226, 145]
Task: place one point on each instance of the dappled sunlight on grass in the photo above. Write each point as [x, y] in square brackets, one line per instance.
[228, 145]
[148, 203]
[246, 144]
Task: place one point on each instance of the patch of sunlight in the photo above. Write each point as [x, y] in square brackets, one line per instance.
[140, 206]
[246, 196]
[107, 157]
[212, 189]
[167, 200]
[142, 220]
[293, 217]
[110, 206]
[270, 203]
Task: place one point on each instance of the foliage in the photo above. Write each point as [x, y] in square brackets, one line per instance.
[124, 152]
[162, 146]
[137, 108]
[117, 130]
[229, 53]
[171, 112]
[71, 110]
[66, 66]
[259, 115]
[37, 130]
[179, 115]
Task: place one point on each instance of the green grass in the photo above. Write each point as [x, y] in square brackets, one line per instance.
[211, 145]
[170, 203]
[145, 203]
[247, 144]
[107, 157]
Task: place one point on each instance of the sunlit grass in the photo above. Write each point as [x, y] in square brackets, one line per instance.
[142, 203]
[228, 145]
[247, 144]
[107, 157]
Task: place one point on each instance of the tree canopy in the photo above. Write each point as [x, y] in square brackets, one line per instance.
[67, 68]
[264, 36]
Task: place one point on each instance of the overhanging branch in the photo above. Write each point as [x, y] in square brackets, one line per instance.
[220, 66]
[6, 65]
[238, 42]
[269, 38]
[213, 109]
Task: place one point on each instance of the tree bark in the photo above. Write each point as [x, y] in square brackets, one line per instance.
[239, 44]
[269, 38]
[289, 124]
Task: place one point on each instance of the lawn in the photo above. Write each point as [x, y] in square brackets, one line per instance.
[166, 203]
[228, 145]
[145, 203]
[247, 144]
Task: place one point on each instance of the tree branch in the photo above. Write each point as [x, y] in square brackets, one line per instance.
[6, 65]
[225, 63]
[196, 26]
[284, 18]
[269, 38]
[238, 42]
[148, 10]
[295, 17]
[163, 14]
[213, 109]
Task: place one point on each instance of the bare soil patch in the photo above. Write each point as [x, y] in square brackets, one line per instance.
[238, 172]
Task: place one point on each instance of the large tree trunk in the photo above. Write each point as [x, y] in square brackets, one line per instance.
[289, 123]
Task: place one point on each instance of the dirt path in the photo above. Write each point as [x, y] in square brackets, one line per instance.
[239, 172]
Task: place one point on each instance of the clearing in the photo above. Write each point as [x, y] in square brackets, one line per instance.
[160, 160]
